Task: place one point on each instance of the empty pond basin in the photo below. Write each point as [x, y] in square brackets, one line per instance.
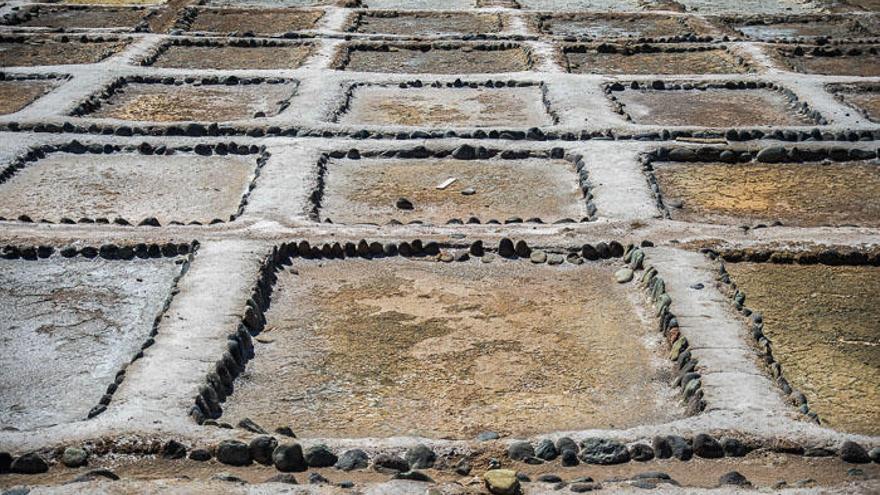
[234, 57]
[801, 194]
[67, 326]
[616, 25]
[440, 59]
[17, 94]
[648, 60]
[257, 21]
[34, 51]
[378, 348]
[711, 108]
[369, 190]
[432, 107]
[823, 322]
[158, 102]
[426, 23]
[182, 187]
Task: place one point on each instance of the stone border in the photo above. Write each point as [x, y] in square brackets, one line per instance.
[45, 76]
[93, 102]
[184, 252]
[839, 89]
[728, 22]
[354, 19]
[188, 15]
[775, 154]
[219, 383]
[40, 152]
[463, 152]
[799, 107]
[341, 60]
[782, 52]
[536, 22]
[625, 49]
[31, 11]
[344, 107]
[150, 58]
[756, 321]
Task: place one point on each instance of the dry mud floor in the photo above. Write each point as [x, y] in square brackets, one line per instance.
[464, 107]
[91, 18]
[802, 194]
[459, 60]
[182, 187]
[15, 95]
[423, 24]
[206, 103]
[709, 108]
[864, 65]
[366, 191]
[262, 21]
[234, 57]
[67, 326]
[37, 51]
[609, 26]
[864, 99]
[823, 322]
[361, 348]
[715, 61]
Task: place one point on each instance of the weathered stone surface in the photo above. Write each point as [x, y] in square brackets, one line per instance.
[501, 482]
[603, 451]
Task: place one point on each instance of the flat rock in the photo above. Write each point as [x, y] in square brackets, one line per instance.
[501, 482]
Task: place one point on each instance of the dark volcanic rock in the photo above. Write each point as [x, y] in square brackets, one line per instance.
[603, 451]
[288, 458]
[234, 453]
[352, 459]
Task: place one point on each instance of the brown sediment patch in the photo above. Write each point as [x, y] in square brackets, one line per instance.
[359, 191]
[180, 187]
[361, 348]
[863, 97]
[712, 107]
[259, 21]
[69, 326]
[17, 94]
[822, 321]
[38, 50]
[647, 59]
[230, 57]
[425, 23]
[79, 16]
[436, 59]
[111, 2]
[610, 26]
[186, 102]
[477, 107]
[860, 60]
[801, 194]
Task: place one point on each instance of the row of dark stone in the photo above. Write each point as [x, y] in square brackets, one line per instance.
[738, 298]
[463, 152]
[800, 106]
[195, 129]
[835, 257]
[631, 49]
[8, 76]
[94, 101]
[63, 38]
[773, 154]
[155, 53]
[829, 50]
[219, 383]
[76, 147]
[114, 252]
[106, 251]
[687, 378]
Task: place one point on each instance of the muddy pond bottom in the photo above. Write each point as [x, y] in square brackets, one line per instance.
[361, 348]
[823, 322]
